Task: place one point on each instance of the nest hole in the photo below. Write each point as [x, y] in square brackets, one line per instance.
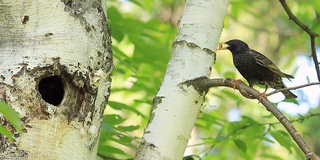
[51, 89]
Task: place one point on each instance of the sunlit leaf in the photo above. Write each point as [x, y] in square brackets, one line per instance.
[283, 138]
[270, 156]
[106, 149]
[113, 119]
[136, 2]
[124, 140]
[229, 75]
[107, 127]
[7, 133]
[11, 115]
[240, 144]
[129, 128]
[122, 106]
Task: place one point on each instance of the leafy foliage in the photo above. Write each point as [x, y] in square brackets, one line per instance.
[12, 116]
[141, 48]
[142, 43]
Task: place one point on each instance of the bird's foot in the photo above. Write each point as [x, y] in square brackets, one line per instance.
[236, 83]
[261, 96]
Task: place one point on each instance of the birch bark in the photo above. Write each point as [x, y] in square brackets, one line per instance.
[177, 104]
[55, 72]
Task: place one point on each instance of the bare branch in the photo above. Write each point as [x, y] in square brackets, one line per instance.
[312, 35]
[243, 88]
[300, 119]
[293, 88]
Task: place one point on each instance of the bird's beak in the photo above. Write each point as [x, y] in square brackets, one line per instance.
[222, 46]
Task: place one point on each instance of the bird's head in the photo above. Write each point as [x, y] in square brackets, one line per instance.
[235, 46]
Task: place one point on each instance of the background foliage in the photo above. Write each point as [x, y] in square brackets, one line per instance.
[231, 127]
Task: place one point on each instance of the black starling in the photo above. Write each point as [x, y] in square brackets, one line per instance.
[255, 67]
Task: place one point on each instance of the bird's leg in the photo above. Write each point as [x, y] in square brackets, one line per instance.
[236, 83]
[263, 94]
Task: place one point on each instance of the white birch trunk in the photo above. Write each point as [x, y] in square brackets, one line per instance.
[176, 105]
[55, 67]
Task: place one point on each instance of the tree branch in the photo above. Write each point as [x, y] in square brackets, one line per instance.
[312, 35]
[202, 83]
[293, 88]
[269, 124]
[300, 119]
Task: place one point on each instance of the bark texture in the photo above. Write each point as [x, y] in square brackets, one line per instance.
[55, 72]
[177, 104]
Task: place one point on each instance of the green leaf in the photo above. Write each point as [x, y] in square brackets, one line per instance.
[5, 132]
[108, 128]
[221, 138]
[283, 138]
[133, 28]
[11, 115]
[230, 74]
[270, 156]
[116, 33]
[113, 119]
[116, 21]
[266, 139]
[136, 2]
[114, 14]
[125, 141]
[208, 140]
[240, 144]
[129, 128]
[122, 106]
[233, 94]
[106, 149]
[119, 54]
[207, 121]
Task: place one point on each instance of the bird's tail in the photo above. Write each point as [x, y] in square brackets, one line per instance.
[288, 76]
[289, 94]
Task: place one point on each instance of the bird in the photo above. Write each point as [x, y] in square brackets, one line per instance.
[256, 68]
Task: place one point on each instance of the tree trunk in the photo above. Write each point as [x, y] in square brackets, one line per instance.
[177, 104]
[55, 67]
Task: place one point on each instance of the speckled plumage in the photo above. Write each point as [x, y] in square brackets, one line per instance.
[257, 68]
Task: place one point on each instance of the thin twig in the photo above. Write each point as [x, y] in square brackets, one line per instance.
[312, 35]
[293, 88]
[300, 119]
[203, 84]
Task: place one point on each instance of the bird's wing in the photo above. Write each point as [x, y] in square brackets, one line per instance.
[267, 63]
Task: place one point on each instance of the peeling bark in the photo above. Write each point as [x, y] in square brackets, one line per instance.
[55, 64]
[177, 103]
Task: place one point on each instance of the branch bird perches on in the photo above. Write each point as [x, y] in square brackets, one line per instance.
[204, 84]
